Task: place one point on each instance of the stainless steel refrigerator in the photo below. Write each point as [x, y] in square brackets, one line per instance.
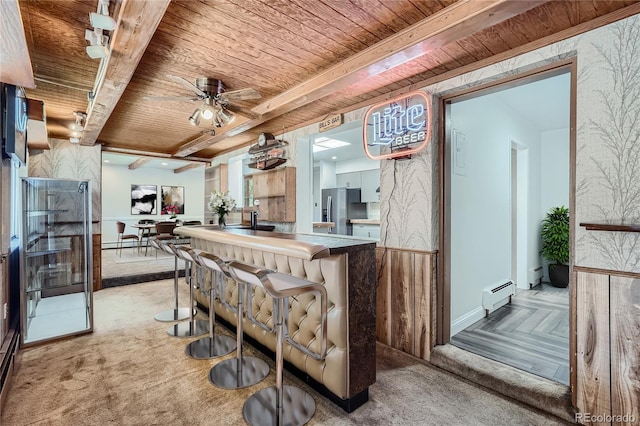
[340, 205]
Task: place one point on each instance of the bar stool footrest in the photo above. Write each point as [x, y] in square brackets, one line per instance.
[260, 409]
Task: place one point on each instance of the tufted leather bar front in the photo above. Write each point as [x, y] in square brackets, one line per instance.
[338, 372]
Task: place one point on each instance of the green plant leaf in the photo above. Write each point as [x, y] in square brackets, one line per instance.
[555, 235]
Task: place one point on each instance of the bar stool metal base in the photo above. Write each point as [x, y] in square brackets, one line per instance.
[206, 348]
[260, 408]
[189, 329]
[172, 315]
[226, 375]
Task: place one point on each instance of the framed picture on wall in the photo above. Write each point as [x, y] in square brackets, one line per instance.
[172, 200]
[143, 199]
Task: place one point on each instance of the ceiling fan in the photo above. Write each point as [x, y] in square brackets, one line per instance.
[216, 106]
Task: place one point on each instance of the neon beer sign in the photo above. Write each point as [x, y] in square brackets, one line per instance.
[399, 127]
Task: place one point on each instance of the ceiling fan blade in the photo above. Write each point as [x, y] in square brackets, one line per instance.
[247, 113]
[187, 84]
[240, 95]
[170, 98]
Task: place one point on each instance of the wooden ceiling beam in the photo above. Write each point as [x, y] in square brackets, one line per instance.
[139, 163]
[187, 167]
[455, 22]
[460, 20]
[15, 63]
[137, 22]
[127, 151]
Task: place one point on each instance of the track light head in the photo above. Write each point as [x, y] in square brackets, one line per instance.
[104, 22]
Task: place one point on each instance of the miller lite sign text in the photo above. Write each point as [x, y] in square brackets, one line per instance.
[399, 127]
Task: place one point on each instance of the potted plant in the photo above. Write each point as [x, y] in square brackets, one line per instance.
[555, 245]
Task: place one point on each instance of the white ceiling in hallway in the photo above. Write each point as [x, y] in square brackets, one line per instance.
[545, 103]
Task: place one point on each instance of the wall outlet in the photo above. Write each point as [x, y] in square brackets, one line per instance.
[5, 311]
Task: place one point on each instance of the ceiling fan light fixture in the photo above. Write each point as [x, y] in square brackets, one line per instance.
[226, 116]
[207, 110]
[195, 117]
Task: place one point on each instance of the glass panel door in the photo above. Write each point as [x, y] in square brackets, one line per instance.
[56, 278]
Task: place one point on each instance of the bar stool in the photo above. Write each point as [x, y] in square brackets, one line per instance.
[280, 405]
[193, 327]
[175, 314]
[240, 371]
[212, 346]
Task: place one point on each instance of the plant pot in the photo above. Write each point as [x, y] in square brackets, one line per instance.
[559, 275]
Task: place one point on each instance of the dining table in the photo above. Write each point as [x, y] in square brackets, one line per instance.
[144, 231]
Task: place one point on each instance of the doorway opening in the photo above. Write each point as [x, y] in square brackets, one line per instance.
[506, 164]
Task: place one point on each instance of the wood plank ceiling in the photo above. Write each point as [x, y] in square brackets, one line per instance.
[269, 45]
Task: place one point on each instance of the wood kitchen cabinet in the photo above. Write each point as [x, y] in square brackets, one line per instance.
[276, 191]
[216, 178]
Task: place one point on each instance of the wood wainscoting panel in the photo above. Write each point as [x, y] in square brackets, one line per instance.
[422, 330]
[593, 378]
[383, 297]
[625, 349]
[404, 300]
[97, 261]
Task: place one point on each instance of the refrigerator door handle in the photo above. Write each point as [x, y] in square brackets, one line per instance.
[328, 208]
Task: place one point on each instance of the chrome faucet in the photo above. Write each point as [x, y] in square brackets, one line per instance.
[254, 220]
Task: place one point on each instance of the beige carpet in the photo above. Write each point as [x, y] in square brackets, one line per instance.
[130, 372]
[130, 262]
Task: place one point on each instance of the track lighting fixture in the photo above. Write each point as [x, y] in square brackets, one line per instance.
[98, 42]
[77, 128]
[100, 21]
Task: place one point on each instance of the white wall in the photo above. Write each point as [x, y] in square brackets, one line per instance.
[357, 165]
[327, 174]
[481, 199]
[554, 174]
[116, 196]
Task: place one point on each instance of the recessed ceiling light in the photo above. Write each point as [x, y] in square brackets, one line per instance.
[107, 161]
[334, 157]
[324, 143]
[164, 164]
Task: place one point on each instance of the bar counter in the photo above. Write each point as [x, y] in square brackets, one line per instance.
[346, 266]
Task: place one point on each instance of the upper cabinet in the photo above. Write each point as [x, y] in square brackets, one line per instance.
[276, 192]
[349, 180]
[370, 192]
[215, 179]
[368, 181]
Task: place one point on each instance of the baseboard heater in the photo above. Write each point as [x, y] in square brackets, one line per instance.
[535, 276]
[496, 296]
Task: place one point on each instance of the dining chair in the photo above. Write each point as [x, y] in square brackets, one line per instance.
[122, 236]
[164, 230]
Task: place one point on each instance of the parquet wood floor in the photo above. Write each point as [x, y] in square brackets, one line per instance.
[531, 333]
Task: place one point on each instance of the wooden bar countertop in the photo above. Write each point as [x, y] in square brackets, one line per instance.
[304, 246]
